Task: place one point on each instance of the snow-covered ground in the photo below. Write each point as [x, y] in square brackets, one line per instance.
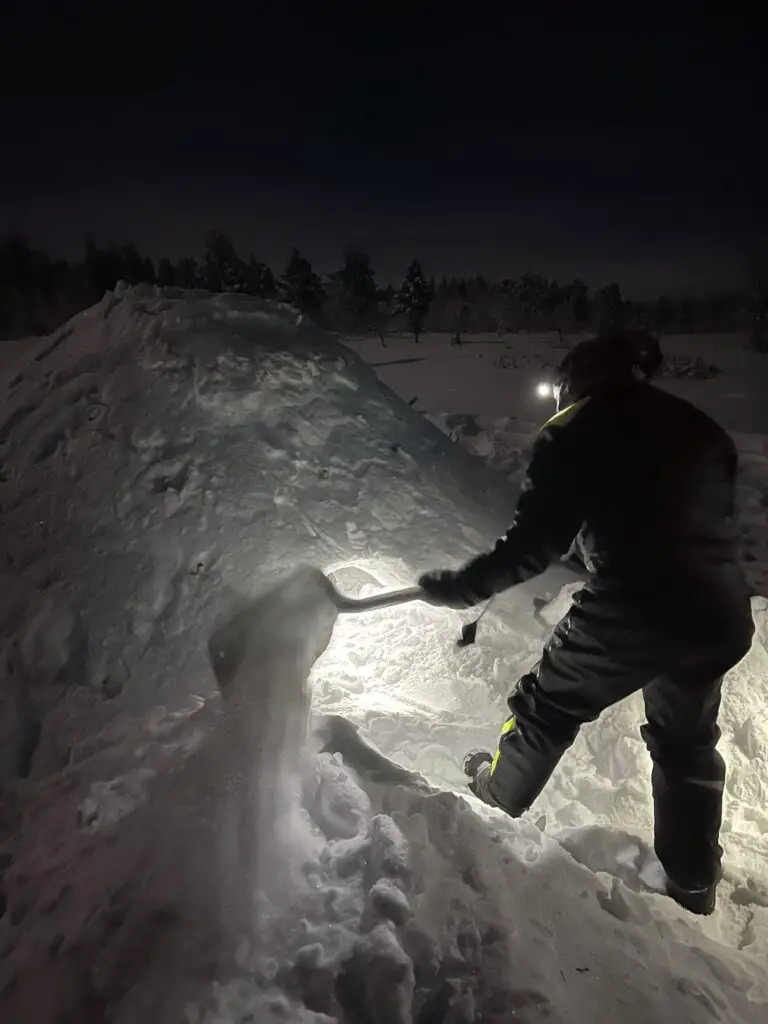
[163, 459]
[496, 376]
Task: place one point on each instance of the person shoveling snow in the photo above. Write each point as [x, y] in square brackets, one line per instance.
[645, 482]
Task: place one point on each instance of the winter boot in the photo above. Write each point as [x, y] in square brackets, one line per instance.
[697, 901]
[477, 768]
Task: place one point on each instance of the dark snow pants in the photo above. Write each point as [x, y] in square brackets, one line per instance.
[599, 653]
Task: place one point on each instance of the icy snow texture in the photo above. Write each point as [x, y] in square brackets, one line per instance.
[164, 457]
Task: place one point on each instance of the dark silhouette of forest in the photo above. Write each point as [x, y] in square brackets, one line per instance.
[38, 293]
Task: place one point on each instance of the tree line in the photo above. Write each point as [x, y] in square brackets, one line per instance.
[38, 293]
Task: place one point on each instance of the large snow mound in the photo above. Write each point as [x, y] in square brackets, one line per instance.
[163, 457]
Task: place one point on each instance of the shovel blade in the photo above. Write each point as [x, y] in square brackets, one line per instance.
[468, 634]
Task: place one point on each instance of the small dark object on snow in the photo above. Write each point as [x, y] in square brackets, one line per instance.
[469, 629]
[468, 634]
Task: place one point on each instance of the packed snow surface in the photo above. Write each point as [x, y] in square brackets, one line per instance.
[175, 851]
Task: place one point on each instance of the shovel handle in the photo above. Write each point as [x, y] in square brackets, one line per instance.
[386, 600]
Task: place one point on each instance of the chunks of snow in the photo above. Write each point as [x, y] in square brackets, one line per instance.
[389, 901]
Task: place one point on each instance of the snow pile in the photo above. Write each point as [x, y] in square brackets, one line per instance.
[166, 456]
[503, 441]
[392, 902]
[160, 458]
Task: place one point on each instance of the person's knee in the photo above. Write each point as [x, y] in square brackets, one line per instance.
[546, 723]
[684, 742]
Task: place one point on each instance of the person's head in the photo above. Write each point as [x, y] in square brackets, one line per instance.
[606, 363]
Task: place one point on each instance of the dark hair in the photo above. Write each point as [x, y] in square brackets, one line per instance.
[610, 359]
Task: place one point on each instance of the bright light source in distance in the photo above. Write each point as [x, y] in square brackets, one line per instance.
[545, 390]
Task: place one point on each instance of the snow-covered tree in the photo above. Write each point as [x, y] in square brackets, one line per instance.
[259, 279]
[414, 297]
[186, 273]
[610, 308]
[134, 268]
[223, 270]
[104, 267]
[531, 290]
[383, 312]
[578, 299]
[664, 313]
[358, 287]
[301, 286]
[16, 261]
[165, 272]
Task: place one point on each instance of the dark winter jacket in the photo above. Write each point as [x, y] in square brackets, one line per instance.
[646, 482]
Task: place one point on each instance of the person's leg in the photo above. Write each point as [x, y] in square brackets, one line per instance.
[597, 655]
[688, 777]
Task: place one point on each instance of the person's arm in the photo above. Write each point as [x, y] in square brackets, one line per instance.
[551, 509]
[554, 500]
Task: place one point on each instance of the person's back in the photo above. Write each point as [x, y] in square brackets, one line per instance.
[661, 475]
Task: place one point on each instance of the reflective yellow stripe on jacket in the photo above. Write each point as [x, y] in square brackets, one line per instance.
[562, 417]
[508, 726]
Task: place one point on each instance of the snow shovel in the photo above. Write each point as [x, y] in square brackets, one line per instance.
[388, 599]
[469, 629]
[295, 616]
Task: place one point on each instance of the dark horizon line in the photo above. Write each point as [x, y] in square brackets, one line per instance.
[701, 292]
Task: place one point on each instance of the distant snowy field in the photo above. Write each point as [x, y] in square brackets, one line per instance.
[469, 380]
[168, 854]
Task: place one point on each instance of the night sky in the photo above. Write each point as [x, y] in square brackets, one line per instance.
[478, 142]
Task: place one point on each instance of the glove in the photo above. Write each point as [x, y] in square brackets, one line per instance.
[448, 588]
